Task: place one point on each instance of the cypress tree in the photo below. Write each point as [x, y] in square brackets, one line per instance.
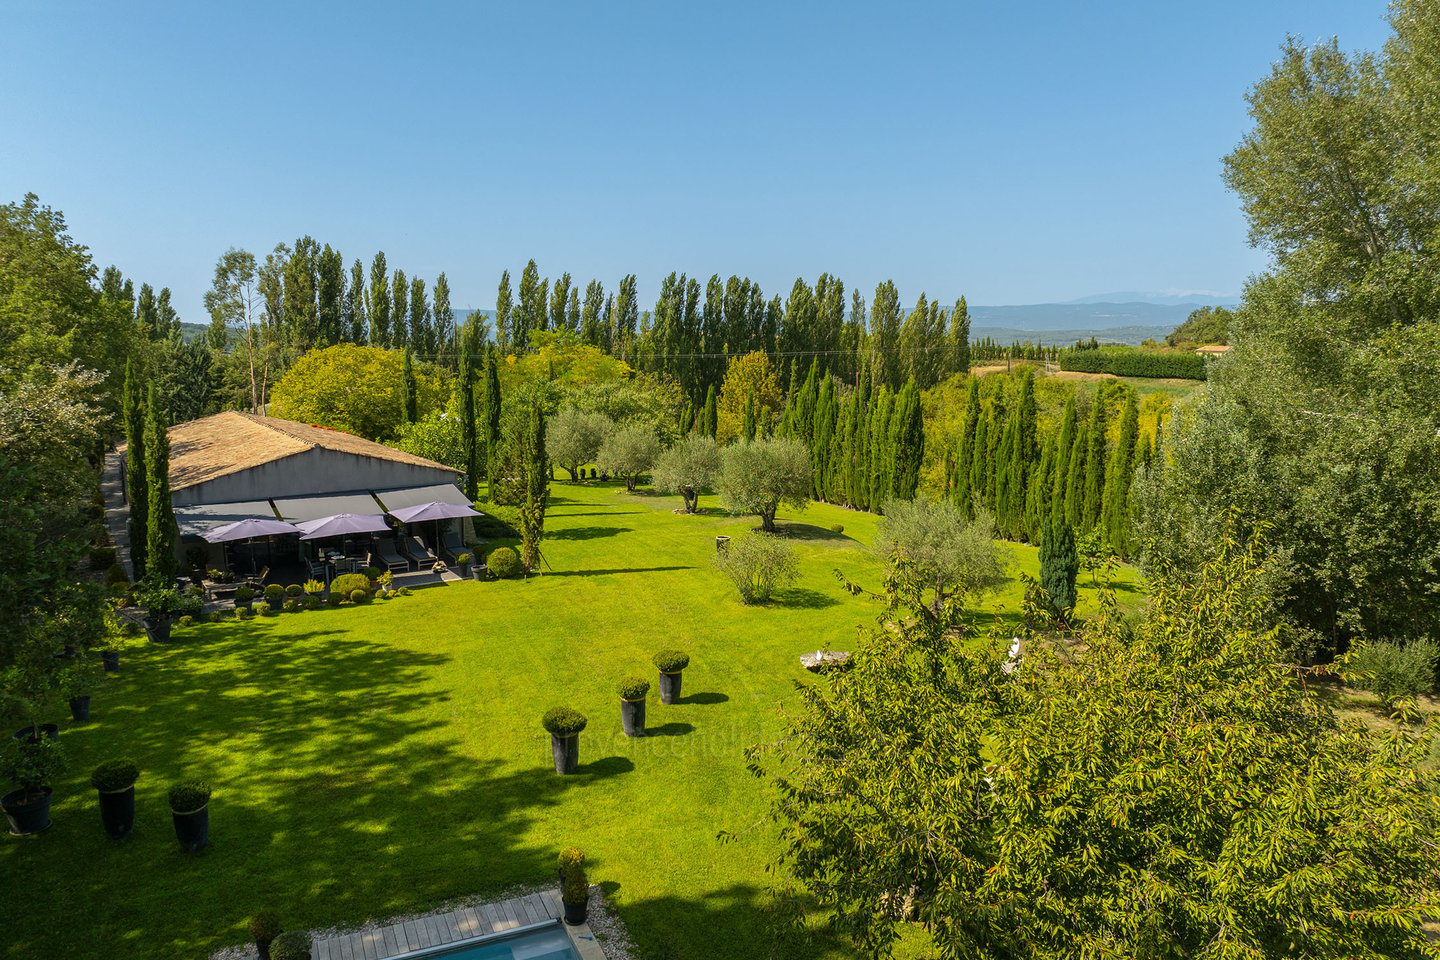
[1037, 496]
[1063, 447]
[1059, 565]
[466, 386]
[1007, 476]
[160, 522]
[908, 445]
[137, 476]
[748, 430]
[1094, 499]
[1075, 478]
[1115, 514]
[964, 458]
[710, 419]
[1159, 456]
[879, 467]
[409, 390]
[993, 448]
[977, 460]
[826, 414]
[492, 421]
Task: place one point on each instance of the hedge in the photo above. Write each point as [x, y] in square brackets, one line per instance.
[1131, 362]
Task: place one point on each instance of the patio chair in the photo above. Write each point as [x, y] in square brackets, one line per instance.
[386, 557]
[453, 545]
[257, 582]
[416, 550]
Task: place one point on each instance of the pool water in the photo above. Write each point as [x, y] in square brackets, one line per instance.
[549, 943]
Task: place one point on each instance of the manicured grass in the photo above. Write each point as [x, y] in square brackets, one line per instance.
[379, 759]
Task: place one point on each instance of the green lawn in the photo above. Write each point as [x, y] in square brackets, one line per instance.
[379, 759]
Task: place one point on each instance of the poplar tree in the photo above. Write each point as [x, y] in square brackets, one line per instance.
[356, 321]
[965, 455]
[399, 309]
[409, 390]
[504, 304]
[492, 421]
[1094, 498]
[960, 337]
[377, 303]
[421, 331]
[1115, 513]
[444, 323]
[160, 519]
[137, 475]
[466, 386]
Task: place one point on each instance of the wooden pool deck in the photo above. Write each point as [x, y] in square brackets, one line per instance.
[440, 929]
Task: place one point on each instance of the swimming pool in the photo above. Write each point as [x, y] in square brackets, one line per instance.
[544, 942]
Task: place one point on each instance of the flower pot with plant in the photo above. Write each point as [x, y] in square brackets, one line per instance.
[574, 885]
[31, 764]
[564, 725]
[161, 602]
[290, 945]
[462, 561]
[190, 811]
[115, 779]
[274, 595]
[633, 691]
[264, 928]
[76, 680]
[670, 663]
[243, 597]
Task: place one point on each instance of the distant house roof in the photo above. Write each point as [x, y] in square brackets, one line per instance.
[232, 441]
[1213, 348]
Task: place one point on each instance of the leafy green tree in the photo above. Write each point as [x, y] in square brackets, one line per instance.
[960, 337]
[491, 410]
[575, 437]
[757, 563]
[628, 452]
[537, 488]
[356, 389]
[687, 468]
[137, 473]
[160, 527]
[504, 306]
[409, 390]
[330, 296]
[422, 330]
[445, 353]
[907, 445]
[947, 553]
[440, 436]
[355, 320]
[465, 385]
[1064, 445]
[1165, 788]
[1094, 494]
[399, 309]
[757, 476]
[749, 381]
[710, 416]
[1203, 325]
[1059, 565]
[377, 303]
[1115, 512]
[747, 430]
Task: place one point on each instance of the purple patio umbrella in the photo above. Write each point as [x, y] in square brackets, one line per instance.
[248, 529]
[434, 510]
[342, 525]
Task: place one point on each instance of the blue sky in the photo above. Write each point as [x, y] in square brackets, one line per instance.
[1013, 153]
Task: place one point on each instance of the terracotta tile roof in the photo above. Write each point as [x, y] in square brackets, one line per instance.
[231, 441]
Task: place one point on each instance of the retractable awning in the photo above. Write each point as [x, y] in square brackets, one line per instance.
[196, 519]
[299, 509]
[403, 497]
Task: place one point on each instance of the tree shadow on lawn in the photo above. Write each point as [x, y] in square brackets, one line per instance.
[341, 794]
[803, 598]
[599, 573]
[741, 920]
[809, 531]
[670, 730]
[708, 697]
[602, 513]
[587, 533]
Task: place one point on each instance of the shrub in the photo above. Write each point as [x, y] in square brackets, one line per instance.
[359, 596]
[671, 661]
[264, 928]
[244, 593]
[837, 528]
[291, 605]
[634, 688]
[372, 573]
[571, 859]
[503, 563]
[290, 945]
[1133, 362]
[348, 583]
[274, 593]
[260, 608]
[101, 558]
[313, 601]
[116, 574]
[576, 889]
[313, 587]
[243, 613]
[337, 597]
[757, 563]
[1391, 671]
[499, 521]
[187, 621]
[294, 590]
[113, 775]
[563, 721]
[463, 558]
[189, 795]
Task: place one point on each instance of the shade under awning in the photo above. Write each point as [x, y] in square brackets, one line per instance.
[196, 519]
[403, 497]
[299, 509]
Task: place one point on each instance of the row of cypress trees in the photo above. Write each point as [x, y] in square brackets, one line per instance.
[147, 479]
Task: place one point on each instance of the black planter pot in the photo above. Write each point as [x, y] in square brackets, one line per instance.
[477, 572]
[575, 913]
[567, 752]
[80, 707]
[192, 829]
[117, 812]
[464, 570]
[32, 734]
[632, 717]
[27, 818]
[158, 629]
[244, 604]
[669, 687]
[110, 660]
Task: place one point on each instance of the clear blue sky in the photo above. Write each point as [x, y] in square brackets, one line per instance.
[1015, 153]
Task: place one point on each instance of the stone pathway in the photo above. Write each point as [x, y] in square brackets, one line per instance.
[117, 512]
[439, 929]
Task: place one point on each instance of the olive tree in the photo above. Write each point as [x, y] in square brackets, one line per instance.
[687, 468]
[757, 563]
[947, 552]
[573, 437]
[629, 452]
[1167, 787]
[756, 476]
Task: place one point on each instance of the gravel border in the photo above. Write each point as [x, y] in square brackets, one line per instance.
[610, 931]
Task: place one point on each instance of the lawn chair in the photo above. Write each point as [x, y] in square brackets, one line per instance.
[385, 557]
[257, 582]
[453, 545]
[416, 550]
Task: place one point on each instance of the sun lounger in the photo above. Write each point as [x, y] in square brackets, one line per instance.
[386, 557]
[416, 550]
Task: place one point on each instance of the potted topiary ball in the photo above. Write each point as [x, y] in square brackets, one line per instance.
[31, 763]
[462, 564]
[290, 945]
[243, 597]
[632, 705]
[574, 885]
[115, 779]
[162, 602]
[564, 725]
[264, 928]
[670, 663]
[190, 809]
[274, 595]
[504, 563]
